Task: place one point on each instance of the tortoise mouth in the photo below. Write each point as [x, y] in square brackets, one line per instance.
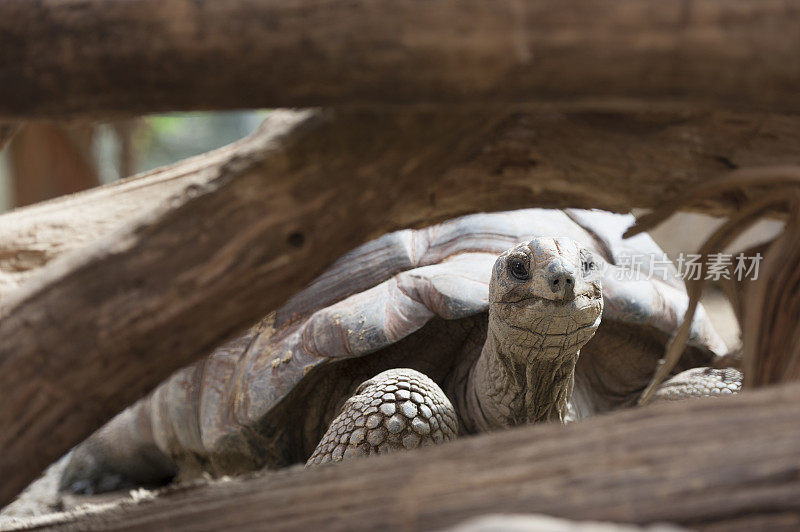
[579, 303]
[535, 331]
[537, 315]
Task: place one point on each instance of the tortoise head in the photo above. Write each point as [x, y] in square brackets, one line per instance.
[550, 287]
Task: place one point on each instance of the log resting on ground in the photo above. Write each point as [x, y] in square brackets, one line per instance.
[706, 464]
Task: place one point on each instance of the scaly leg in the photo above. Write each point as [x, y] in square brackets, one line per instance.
[700, 382]
[397, 409]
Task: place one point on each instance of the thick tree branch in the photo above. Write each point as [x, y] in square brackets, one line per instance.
[719, 464]
[158, 55]
[127, 283]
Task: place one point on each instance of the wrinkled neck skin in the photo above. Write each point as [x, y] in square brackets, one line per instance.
[518, 380]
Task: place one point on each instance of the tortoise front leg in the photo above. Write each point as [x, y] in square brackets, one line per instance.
[699, 382]
[397, 409]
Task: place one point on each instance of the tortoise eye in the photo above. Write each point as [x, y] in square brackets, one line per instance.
[518, 268]
[588, 265]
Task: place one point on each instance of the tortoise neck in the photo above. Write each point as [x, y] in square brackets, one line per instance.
[516, 380]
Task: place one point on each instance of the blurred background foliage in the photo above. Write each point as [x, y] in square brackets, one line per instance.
[45, 160]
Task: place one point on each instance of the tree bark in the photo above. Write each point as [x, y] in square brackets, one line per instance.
[161, 55]
[172, 263]
[711, 464]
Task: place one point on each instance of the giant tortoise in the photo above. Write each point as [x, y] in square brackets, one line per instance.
[413, 339]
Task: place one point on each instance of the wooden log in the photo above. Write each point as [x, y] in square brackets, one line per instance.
[160, 55]
[207, 247]
[719, 464]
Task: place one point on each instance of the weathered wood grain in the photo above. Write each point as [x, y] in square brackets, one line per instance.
[161, 55]
[207, 247]
[719, 464]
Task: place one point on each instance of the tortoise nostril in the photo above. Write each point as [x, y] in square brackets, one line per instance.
[561, 281]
